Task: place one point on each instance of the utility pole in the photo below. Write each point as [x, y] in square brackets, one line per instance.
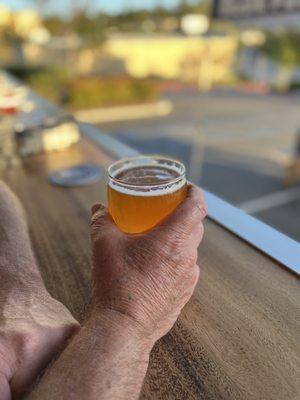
[215, 11]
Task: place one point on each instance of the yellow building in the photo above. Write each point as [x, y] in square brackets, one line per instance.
[22, 22]
[5, 16]
[206, 60]
[26, 21]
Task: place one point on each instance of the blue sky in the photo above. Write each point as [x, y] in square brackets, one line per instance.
[111, 6]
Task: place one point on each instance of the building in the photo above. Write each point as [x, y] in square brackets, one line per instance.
[202, 59]
[22, 22]
[268, 14]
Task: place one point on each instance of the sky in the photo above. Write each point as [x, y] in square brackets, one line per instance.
[109, 6]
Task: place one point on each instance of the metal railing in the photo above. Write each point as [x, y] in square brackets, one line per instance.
[275, 244]
[260, 235]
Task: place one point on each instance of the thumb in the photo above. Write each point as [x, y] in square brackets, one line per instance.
[101, 221]
[95, 207]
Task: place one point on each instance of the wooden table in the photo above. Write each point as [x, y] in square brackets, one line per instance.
[238, 337]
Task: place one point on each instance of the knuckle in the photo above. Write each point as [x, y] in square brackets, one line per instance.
[94, 219]
[194, 204]
[97, 219]
[201, 230]
[198, 232]
[194, 208]
[192, 257]
[204, 210]
[185, 259]
[197, 196]
[95, 207]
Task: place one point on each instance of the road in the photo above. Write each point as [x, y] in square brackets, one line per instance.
[234, 145]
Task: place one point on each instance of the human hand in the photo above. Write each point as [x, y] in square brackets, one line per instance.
[149, 277]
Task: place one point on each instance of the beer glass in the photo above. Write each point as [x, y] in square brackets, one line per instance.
[144, 190]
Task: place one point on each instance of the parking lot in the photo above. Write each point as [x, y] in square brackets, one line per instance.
[235, 145]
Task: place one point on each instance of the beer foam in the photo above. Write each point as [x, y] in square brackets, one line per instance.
[148, 191]
[147, 180]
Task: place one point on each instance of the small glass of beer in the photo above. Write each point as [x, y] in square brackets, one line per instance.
[144, 190]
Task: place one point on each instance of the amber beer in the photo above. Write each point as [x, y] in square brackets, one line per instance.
[142, 191]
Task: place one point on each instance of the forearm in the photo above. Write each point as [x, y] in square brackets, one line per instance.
[33, 326]
[17, 262]
[107, 359]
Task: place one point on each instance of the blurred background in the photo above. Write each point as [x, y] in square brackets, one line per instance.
[215, 84]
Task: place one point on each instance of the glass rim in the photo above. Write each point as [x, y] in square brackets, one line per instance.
[181, 170]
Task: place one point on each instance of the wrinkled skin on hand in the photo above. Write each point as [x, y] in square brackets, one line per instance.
[148, 277]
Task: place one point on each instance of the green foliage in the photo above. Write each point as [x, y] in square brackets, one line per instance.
[283, 47]
[100, 92]
[49, 82]
[132, 20]
[55, 25]
[56, 85]
[92, 27]
[187, 7]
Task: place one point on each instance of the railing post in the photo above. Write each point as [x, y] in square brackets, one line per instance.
[215, 11]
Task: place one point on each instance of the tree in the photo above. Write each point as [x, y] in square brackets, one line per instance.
[283, 47]
[55, 25]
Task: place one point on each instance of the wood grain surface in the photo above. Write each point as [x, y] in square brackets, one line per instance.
[238, 338]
